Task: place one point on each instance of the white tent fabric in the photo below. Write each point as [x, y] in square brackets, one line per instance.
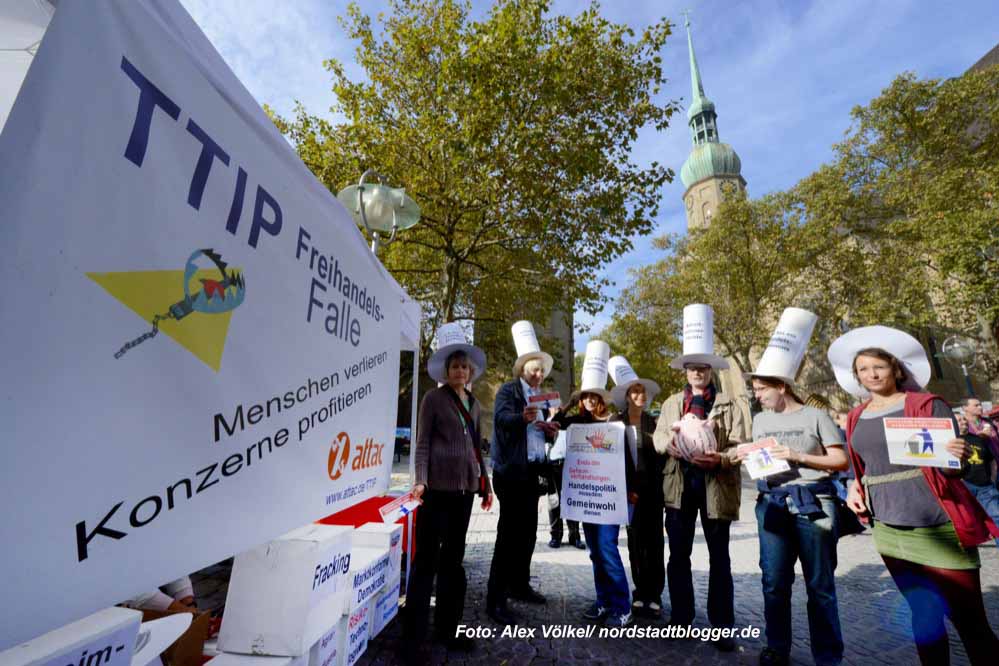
[22, 24]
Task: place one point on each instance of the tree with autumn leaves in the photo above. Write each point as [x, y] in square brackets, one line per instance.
[514, 134]
[902, 229]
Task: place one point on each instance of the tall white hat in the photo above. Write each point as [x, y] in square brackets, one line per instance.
[899, 344]
[699, 338]
[451, 338]
[788, 344]
[594, 379]
[625, 377]
[526, 343]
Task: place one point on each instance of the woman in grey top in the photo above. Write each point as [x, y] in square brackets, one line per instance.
[796, 514]
[449, 472]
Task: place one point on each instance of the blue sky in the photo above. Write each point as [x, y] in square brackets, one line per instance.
[782, 74]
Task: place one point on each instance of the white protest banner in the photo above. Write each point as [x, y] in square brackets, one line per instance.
[593, 478]
[920, 441]
[759, 462]
[200, 353]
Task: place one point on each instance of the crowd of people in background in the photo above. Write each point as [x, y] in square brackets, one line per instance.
[926, 521]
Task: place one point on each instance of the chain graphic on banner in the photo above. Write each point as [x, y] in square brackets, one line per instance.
[215, 297]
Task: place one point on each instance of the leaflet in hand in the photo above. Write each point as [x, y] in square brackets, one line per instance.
[920, 441]
[399, 507]
[545, 400]
[759, 461]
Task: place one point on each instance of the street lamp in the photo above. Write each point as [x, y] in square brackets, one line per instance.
[961, 351]
[380, 209]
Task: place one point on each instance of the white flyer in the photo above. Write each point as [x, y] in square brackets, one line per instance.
[759, 462]
[921, 442]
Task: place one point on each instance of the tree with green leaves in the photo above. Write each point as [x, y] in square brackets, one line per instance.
[915, 183]
[513, 133]
[901, 229]
[753, 260]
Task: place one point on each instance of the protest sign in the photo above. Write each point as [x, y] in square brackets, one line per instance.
[759, 463]
[200, 353]
[920, 441]
[593, 478]
[399, 507]
[545, 400]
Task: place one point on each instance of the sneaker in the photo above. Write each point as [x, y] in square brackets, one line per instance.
[555, 543]
[771, 657]
[655, 610]
[615, 620]
[596, 612]
[638, 605]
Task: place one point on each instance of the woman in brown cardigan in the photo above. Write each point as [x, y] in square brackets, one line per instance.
[449, 472]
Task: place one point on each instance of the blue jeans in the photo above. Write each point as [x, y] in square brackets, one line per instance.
[784, 538]
[608, 569]
[988, 497]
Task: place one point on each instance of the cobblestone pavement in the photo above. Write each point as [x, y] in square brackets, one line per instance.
[874, 616]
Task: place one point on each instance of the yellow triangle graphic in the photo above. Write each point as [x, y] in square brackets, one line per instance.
[151, 293]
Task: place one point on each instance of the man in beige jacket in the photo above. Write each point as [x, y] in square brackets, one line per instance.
[709, 485]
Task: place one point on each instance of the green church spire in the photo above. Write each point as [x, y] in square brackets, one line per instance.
[701, 114]
[709, 158]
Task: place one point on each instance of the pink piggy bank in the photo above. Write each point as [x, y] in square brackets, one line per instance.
[694, 437]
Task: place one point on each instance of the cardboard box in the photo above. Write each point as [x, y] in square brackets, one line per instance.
[106, 638]
[354, 631]
[326, 651]
[285, 594]
[230, 659]
[189, 648]
[383, 535]
[385, 607]
[369, 572]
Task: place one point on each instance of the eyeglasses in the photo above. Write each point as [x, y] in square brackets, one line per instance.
[698, 368]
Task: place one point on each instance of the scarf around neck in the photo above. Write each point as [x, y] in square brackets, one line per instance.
[699, 405]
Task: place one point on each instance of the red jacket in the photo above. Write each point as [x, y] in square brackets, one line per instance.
[972, 524]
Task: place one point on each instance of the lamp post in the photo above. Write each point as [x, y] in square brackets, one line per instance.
[380, 209]
[961, 351]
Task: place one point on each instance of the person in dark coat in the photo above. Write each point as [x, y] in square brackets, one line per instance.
[520, 432]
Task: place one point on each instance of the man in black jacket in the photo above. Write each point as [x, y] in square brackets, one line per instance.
[518, 452]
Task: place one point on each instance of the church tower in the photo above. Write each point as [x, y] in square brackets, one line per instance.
[713, 169]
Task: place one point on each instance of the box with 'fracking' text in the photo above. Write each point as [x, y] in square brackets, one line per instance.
[285, 594]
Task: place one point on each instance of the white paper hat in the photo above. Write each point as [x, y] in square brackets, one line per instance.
[526, 343]
[699, 338]
[899, 344]
[594, 379]
[788, 344]
[625, 377]
[157, 635]
[451, 338]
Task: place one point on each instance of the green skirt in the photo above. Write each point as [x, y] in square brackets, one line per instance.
[936, 546]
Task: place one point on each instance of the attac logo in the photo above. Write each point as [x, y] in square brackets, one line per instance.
[367, 455]
[199, 321]
[339, 456]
